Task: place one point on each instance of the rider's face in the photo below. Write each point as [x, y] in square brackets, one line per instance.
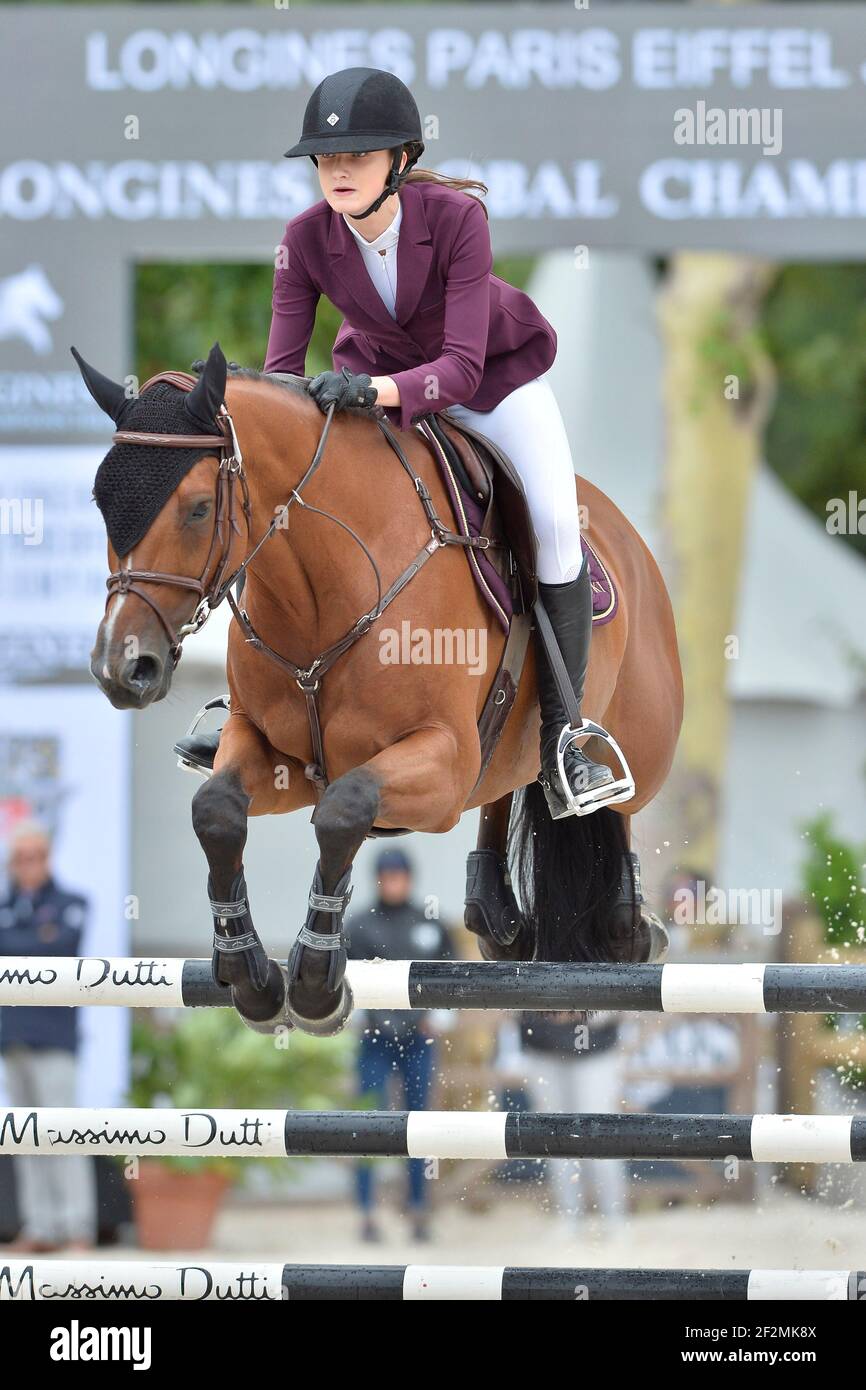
[363, 176]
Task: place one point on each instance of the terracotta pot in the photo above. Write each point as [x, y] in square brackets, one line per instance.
[175, 1210]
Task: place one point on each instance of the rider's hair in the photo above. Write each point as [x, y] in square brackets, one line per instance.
[419, 175]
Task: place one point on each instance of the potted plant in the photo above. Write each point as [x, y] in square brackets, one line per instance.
[209, 1060]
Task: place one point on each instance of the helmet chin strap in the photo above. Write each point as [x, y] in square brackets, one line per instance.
[391, 186]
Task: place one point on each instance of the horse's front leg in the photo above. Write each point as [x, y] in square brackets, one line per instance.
[421, 782]
[244, 783]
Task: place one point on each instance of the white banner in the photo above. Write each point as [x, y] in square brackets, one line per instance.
[65, 759]
[53, 563]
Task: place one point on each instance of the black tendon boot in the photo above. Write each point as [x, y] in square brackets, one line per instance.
[569, 607]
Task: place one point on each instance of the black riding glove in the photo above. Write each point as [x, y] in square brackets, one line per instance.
[342, 388]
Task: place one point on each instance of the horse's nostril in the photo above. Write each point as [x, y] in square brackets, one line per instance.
[144, 671]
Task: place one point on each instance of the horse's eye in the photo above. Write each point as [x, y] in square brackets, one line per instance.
[199, 511]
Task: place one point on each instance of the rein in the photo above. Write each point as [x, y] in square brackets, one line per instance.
[230, 472]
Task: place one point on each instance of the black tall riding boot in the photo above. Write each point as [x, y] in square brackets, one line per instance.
[569, 607]
[196, 752]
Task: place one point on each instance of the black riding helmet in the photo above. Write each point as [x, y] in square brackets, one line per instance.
[362, 109]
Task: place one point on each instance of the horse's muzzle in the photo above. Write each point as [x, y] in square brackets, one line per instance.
[132, 682]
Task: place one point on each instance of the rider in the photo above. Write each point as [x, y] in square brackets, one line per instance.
[362, 130]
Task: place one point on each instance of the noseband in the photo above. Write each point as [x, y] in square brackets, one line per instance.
[231, 472]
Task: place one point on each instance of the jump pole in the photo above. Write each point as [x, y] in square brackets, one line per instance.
[150, 982]
[431, 1134]
[140, 1281]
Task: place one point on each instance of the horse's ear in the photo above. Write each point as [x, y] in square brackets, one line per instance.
[109, 395]
[206, 397]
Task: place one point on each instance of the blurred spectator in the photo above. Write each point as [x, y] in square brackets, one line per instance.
[395, 1043]
[576, 1068]
[56, 1196]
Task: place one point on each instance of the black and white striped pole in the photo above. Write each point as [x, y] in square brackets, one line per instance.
[140, 1281]
[150, 982]
[432, 1134]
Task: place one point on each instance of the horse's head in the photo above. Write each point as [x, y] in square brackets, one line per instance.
[169, 510]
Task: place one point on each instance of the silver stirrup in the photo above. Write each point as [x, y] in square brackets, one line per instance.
[582, 803]
[219, 702]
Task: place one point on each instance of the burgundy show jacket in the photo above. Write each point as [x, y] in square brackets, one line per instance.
[461, 335]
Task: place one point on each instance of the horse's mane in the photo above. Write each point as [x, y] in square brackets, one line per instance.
[287, 382]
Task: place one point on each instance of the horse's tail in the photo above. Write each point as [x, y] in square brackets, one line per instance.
[569, 875]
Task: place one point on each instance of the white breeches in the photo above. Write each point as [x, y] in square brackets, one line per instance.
[528, 427]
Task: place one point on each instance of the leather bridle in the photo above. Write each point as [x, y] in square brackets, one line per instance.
[211, 591]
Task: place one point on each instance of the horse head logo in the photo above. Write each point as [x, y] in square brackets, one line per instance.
[27, 302]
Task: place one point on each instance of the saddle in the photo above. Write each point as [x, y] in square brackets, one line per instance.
[488, 500]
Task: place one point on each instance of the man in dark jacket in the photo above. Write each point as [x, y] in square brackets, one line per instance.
[38, 918]
[396, 1043]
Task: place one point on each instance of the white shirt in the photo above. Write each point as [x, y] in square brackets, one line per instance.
[380, 258]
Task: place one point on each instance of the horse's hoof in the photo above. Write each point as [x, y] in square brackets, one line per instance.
[263, 1018]
[329, 1024]
[521, 949]
[269, 1028]
[491, 950]
[655, 933]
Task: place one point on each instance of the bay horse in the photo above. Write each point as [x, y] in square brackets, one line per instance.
[400, 741]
